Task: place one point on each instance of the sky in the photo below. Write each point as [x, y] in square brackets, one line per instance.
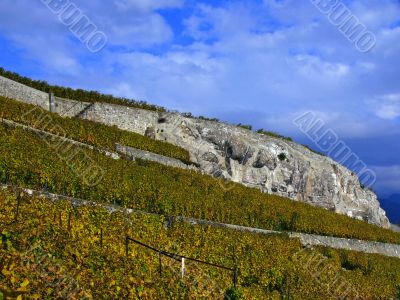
[262, 63]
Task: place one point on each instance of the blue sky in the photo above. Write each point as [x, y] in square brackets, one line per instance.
[256, 62]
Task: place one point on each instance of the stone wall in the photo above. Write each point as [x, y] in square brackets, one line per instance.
[136, 153]
[69, 108]
[53, 137]
[348, 244]
[126, 118]
[62, 106]
[129, 151]
[15, 90]
[391, 250]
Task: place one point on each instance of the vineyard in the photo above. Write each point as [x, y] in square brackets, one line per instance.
[85, 131]
[27, 160]
[54, 250]
[79, 94]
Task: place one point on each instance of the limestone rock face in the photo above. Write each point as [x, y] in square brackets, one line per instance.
[273, 165]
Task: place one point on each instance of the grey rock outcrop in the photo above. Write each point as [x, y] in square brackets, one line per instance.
[273, 165]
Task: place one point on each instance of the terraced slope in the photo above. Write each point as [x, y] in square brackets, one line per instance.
[29, 160]
[54, 249]
[84, 131]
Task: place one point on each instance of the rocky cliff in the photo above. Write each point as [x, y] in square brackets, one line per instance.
[271, 164]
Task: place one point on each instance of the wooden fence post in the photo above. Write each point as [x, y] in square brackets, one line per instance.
[235, 278]
[183, 270]
[159, 264]
[17, 209]
[126, 246]
[69, 222]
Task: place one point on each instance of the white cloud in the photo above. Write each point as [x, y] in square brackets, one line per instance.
[314, 66]
[386, 106]
[147, 5]
[146, 30]
[388, 179]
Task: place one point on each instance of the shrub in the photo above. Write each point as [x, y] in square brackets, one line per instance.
[282, 156]
[274, 134]
[244, 126]
[314, 151]
[233, 294]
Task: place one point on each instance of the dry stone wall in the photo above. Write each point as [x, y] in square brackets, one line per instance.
[68, 108]
[146, 155]
[391, 250]
[15, 90]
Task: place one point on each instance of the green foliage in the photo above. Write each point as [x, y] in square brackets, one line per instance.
[244, 126]
[314, 151]
[398, 293]
[62, 243]
[208, 119]
[27, 160]
[274, 134]
[85, 131]
[282, 156]
[234, 294]
[79, 94]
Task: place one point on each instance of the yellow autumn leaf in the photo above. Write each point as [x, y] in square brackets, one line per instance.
[25, 283]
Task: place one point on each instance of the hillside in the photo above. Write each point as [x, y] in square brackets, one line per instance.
[53, 248]
[82, 254]
[270, 163]
[28, 160]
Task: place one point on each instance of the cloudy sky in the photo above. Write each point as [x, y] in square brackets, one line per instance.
[256, 62]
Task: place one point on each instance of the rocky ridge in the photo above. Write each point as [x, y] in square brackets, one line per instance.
[270, 164]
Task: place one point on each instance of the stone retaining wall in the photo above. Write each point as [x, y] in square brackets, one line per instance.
[348, 244]
[57, 137]
[18, 91]
[146, 155]
[125, 118]
[69, 108]
[391, 250]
